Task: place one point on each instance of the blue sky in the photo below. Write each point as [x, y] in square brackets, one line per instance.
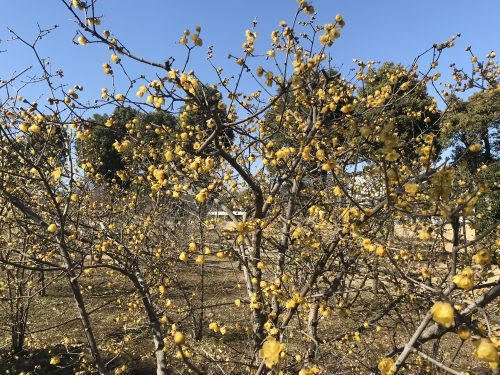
[385, 30]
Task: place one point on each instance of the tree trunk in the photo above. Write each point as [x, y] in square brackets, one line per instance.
[18, 336]
[154, 325]
[199, 330]
[284, 243]
[41, 281]
[84, 316]
[85, 319]
[312, 331]
[487, 149]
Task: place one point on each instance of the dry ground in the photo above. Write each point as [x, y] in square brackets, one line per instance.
[53, 318]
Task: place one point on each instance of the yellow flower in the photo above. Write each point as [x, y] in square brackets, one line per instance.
[270, 352]
[183, 256]
[443, 313]
[213, 326]
[142, 90]
[115, 58]
[325, 40]
[35, 129]
[463, 282]
[464, 332]
[425, 273]
[464, 279]
[392, 156]
[120, 370]
[380, 251]
[107, 69]
[347, 108]
[74, 197]
[159, 174]
[482, 257]
[467, 272]
[476, 147]
[320, 154]
[411, 188]
[52, 228]
[488, 352]
[169, 156]
[55, 360]
[93, 21]
[328, 166]
[82, 40]
[387, 366]
[309, 371]
[202, 196]
[424, 235]
[178, 337]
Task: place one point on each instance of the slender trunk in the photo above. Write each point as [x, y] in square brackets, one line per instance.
[154, 325]
[455, 225]
[41, 281]
[201, 317]
[284, 243]
[85, 319]
[18, 336]
[487, 149]
[259, 316]
[82, 311]
[20, 321]
[312, 331]
[376, 282]
[464, 229]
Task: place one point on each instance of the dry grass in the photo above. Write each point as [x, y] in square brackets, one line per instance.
[338, 355]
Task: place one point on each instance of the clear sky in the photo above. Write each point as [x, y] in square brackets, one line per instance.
[385, 30]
